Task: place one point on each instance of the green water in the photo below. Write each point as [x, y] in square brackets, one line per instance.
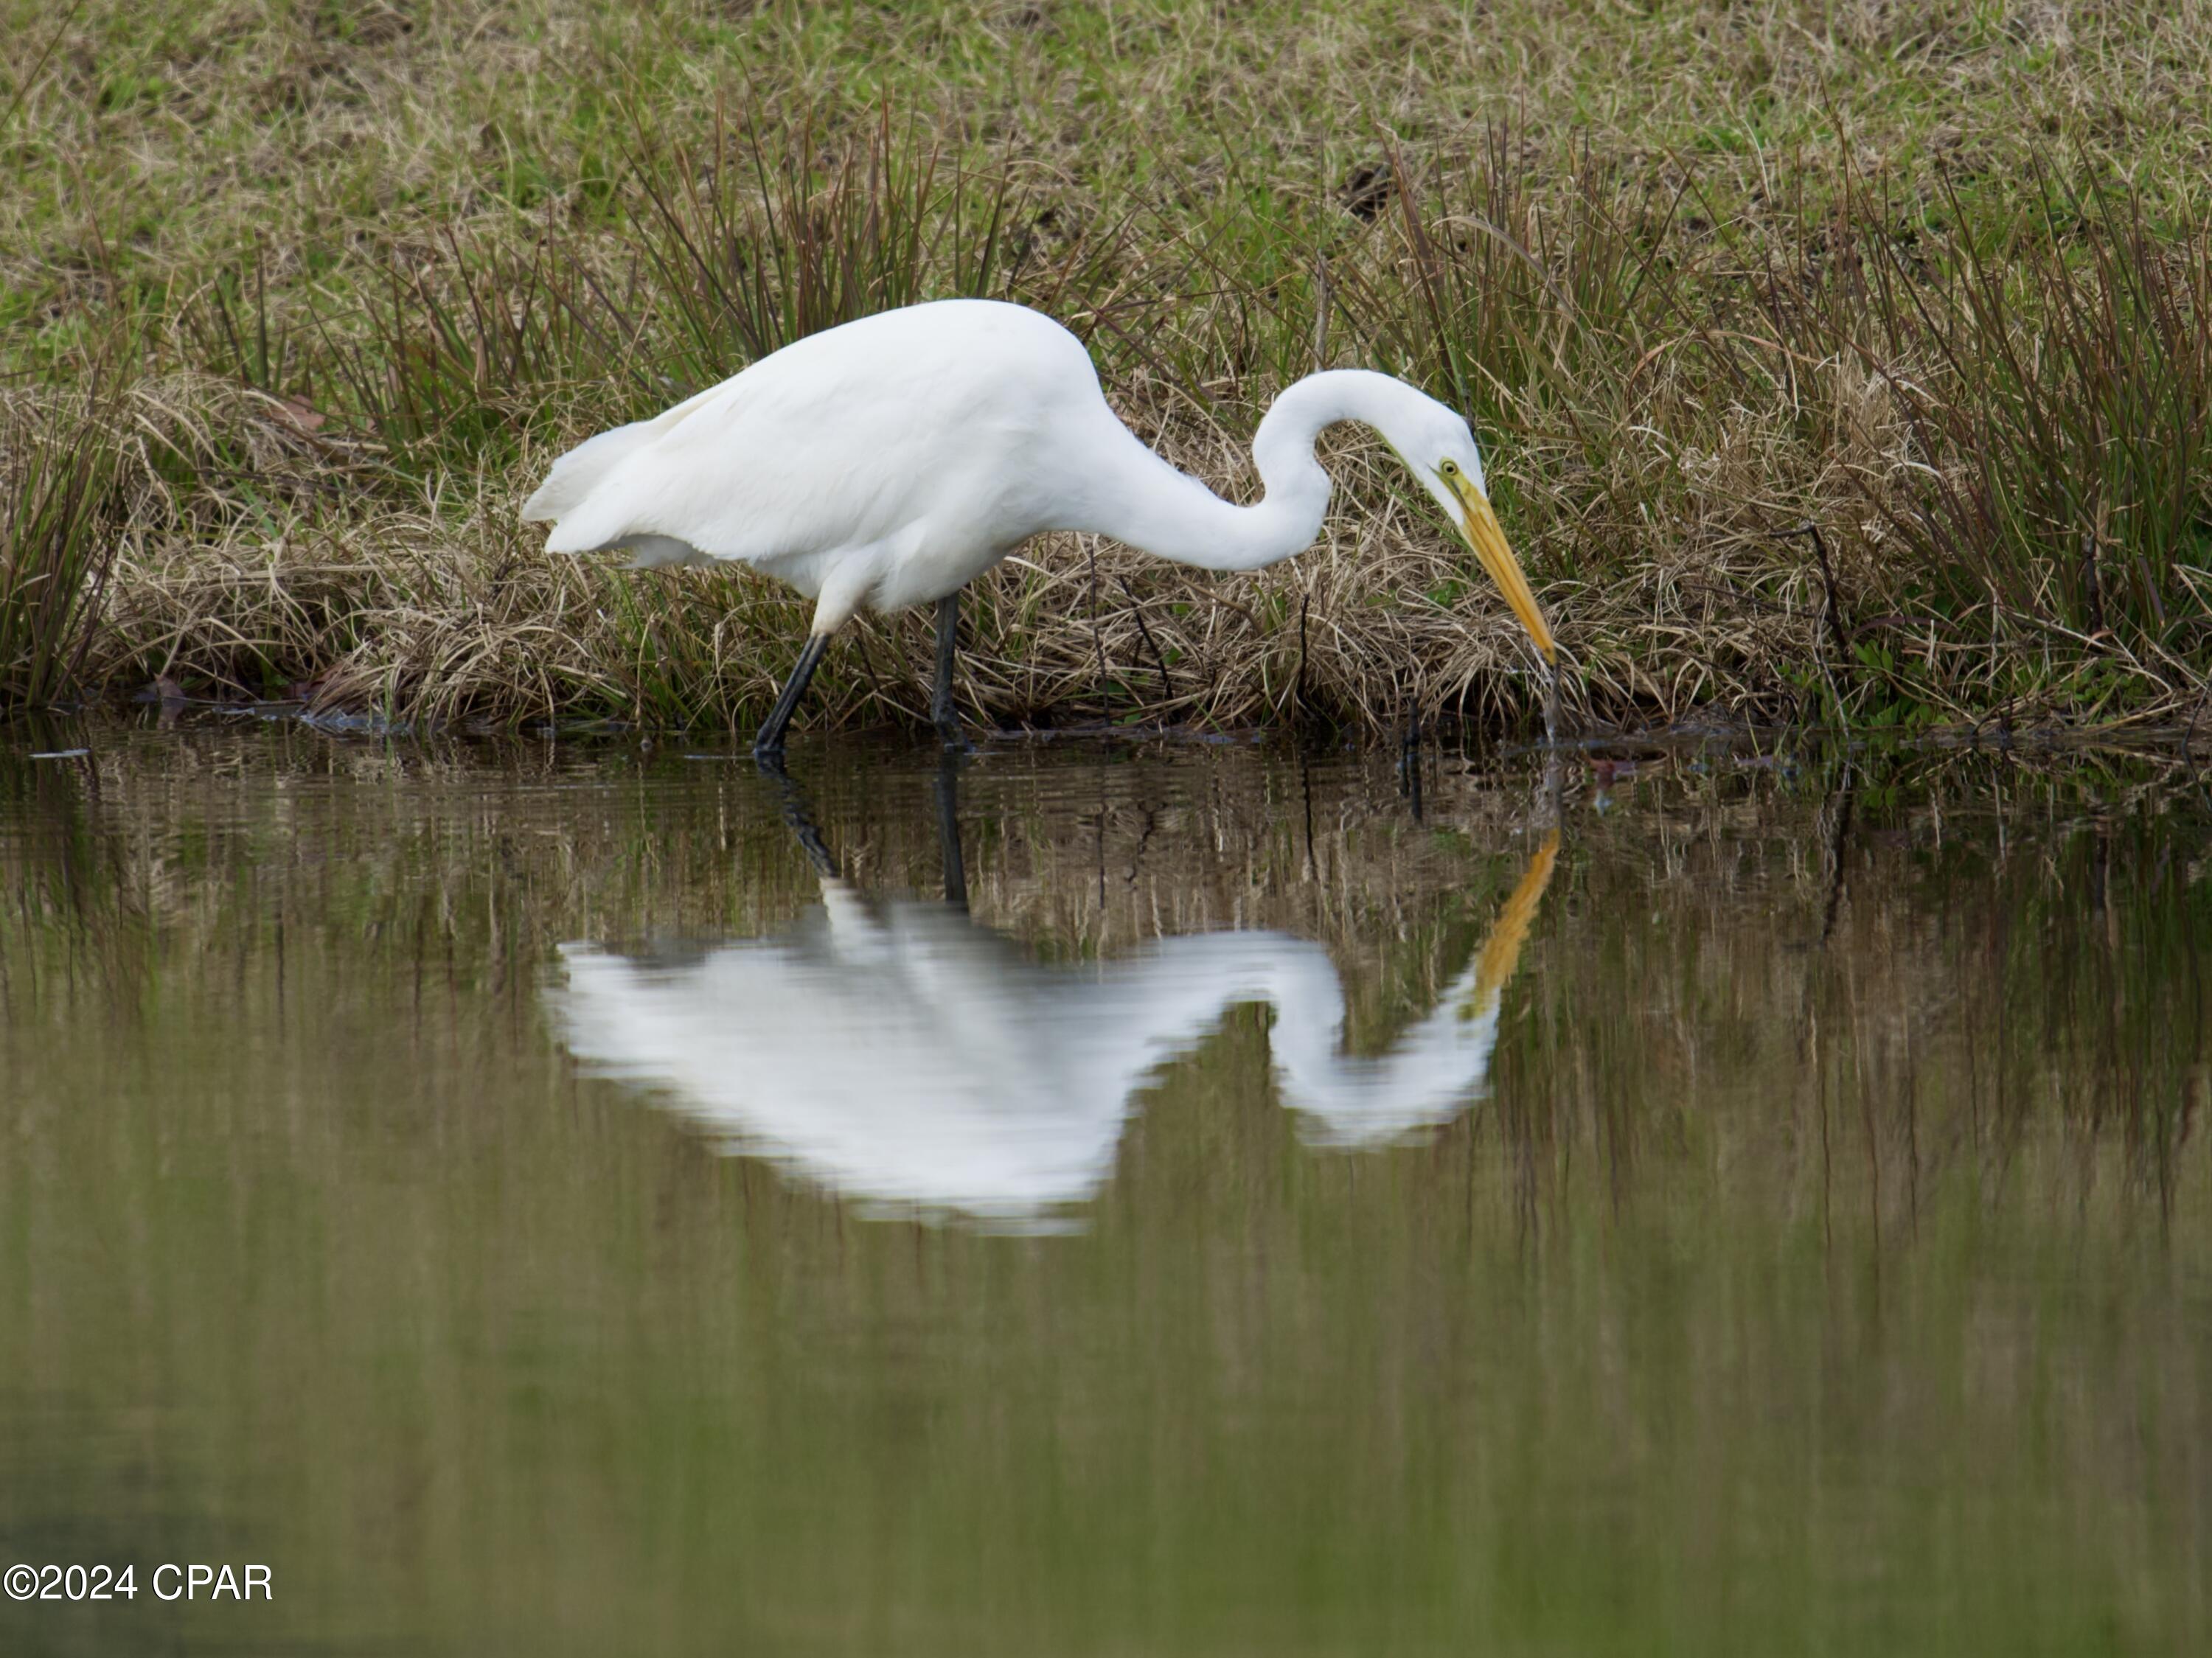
[1774, 1215]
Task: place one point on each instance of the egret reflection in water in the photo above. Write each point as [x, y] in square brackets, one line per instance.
[898, 1051]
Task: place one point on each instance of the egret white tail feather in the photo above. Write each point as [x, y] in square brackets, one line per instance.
[889, 462]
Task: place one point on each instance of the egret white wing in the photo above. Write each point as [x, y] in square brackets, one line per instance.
[795, 455]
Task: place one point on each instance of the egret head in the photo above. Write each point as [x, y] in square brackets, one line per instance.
[1448, 463]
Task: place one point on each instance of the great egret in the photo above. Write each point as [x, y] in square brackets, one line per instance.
[900, 1052]
[890, 461]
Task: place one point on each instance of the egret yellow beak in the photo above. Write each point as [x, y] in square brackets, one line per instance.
[1488, 540]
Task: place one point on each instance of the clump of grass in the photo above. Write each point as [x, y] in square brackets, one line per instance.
[444, 358]
[58, 541]
[749, 252]
[2065, 408]
[2013, 409]
[462, 350]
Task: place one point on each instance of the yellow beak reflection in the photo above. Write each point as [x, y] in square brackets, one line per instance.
[1488, 540]
[1501, 952]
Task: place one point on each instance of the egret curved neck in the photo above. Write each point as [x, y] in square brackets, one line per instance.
[1140, 498]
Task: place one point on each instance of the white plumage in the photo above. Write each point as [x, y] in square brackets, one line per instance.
[889, 462]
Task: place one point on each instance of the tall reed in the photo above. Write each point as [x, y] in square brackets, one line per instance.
[749, 251]
[57, 540]
[2057, 376]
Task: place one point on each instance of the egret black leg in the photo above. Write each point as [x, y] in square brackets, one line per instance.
[941, 711]
[768, 743]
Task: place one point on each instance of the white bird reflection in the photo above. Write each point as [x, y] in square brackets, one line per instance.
[899, 1052]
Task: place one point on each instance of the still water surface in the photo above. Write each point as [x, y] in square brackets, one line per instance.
[560, 1200]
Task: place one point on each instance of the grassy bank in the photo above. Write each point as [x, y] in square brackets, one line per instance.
[1835, 362]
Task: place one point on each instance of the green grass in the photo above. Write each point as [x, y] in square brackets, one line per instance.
[1933, 279]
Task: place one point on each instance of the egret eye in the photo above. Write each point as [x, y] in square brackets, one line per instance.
[1450, 469]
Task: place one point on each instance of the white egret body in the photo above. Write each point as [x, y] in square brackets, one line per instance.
[902, 1052]
[889, 462]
